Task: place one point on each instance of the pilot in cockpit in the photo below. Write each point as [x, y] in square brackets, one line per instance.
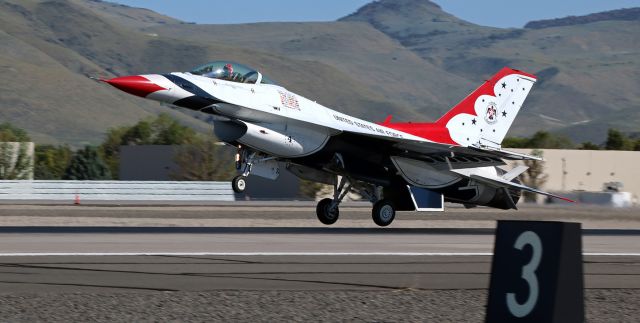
[227, 72]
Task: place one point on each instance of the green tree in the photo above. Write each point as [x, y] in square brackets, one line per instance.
[534, 176]
[588, 145]
[546, 140]
[204, 160]
[161, 130]
[515, 142]
[86, 164]
[616, 140]
[10, 133]
[541, 140]
[51, 161]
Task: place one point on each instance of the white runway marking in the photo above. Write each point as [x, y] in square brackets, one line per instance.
[31, 254]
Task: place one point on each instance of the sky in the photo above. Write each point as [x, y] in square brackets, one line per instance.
[495, 13]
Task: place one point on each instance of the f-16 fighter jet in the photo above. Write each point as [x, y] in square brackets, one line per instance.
[398, 166]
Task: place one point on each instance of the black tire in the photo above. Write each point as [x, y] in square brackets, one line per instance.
[325, 214]
[239, 184]
[383, 213]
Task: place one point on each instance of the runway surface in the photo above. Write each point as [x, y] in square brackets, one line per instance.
[201, 259]
[232, 263]
[313, 273]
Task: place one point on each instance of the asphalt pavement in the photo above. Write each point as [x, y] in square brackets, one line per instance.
[221, 263]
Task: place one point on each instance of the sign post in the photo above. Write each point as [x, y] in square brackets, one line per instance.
[536, 273]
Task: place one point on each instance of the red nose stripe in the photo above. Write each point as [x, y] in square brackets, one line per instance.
[136, 85]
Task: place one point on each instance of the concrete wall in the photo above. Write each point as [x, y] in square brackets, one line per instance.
[588, 170]
[15, 146]
[147, 163]
[156, 163]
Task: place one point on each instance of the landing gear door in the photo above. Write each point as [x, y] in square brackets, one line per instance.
[269, 169]
[425, 199]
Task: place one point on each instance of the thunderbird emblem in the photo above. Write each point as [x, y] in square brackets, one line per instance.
[492, 113]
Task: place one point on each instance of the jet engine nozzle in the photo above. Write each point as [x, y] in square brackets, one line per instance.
[135, 84]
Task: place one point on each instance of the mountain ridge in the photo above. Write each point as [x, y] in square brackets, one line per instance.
[625, 14]
[596, 64]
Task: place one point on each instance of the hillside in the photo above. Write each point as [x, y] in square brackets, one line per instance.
[52, 46]
[125, 15]
[46, 59]
[589, 72]
[403, 57]
[621, 14]
[374, 60]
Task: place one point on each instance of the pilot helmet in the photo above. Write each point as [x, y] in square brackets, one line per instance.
[228, 69]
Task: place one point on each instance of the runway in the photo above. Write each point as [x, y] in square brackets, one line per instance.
[311, 272]
[217, 261]
[281, 240]
[203, 259]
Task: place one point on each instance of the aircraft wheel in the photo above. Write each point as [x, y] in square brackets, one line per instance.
[239, 184]
[383, 213]
[326, 214]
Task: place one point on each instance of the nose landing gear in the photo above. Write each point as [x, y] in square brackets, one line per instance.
[239, 184]
[246, 158]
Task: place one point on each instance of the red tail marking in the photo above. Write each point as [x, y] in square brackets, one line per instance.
[438, 131]
[467, 105]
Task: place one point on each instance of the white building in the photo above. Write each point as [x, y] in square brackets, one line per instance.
[10, 151]
[589, 170]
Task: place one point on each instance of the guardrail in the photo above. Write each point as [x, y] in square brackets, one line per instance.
[116, 190]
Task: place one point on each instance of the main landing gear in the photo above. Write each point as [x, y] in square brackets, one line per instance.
[383, 211]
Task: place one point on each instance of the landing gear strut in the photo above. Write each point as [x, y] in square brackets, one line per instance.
[246, 158]
[327, 209]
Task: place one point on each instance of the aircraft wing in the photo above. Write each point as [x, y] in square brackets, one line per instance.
[434, 148]
[480, 151]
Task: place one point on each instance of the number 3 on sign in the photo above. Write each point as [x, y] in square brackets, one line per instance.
[528, 274]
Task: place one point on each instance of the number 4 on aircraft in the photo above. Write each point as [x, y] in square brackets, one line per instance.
[397, 166]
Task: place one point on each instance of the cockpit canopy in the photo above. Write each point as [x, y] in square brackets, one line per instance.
[231, 71]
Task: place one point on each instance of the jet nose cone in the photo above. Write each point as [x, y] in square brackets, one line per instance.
[135, 84]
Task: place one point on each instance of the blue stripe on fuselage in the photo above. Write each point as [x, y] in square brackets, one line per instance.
[200, 99]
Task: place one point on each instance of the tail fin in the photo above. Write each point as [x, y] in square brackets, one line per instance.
[485, 115]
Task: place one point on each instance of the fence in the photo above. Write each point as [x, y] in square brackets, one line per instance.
[116, 190]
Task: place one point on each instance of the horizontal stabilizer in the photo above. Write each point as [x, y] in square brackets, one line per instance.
[503, 183]
[506, 154]
[515, 172]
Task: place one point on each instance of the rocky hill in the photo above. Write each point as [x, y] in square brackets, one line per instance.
[589, 72]
[621, 14]
[50, 47]
[404, 57]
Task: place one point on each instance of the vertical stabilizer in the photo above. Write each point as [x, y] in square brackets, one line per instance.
[484, 116]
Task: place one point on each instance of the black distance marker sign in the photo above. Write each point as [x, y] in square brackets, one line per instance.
[536, 273]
